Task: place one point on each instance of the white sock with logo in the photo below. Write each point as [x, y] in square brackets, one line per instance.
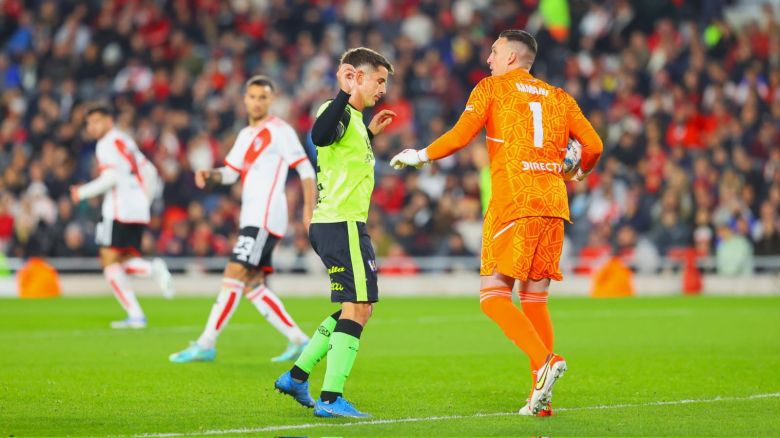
[115, 274]
[270, 306]
[221, 311]
[138, 267]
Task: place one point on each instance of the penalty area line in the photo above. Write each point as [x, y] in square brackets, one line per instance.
[449, 417]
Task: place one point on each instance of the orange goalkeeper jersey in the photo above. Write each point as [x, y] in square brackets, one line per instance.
[529, 123]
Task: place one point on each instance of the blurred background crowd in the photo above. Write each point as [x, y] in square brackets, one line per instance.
[685, 94]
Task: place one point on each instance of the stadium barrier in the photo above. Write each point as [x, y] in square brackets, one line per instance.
[433, 276]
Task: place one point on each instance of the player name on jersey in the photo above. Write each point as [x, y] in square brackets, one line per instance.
[525, 88]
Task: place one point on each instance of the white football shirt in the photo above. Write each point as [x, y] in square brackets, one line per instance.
[127, 201]
[263, 155]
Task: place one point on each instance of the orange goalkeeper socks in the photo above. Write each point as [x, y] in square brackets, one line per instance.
[535, 308]
[496, 303]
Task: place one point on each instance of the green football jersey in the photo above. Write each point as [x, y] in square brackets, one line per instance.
[345, 174]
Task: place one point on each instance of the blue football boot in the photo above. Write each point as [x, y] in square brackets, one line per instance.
[339, 408]
[297, 390]
[194, 353]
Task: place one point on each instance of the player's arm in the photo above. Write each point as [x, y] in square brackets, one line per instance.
[225, 176]
[306, 172]
[582, 131]
[332, 122]
[333, 118]
[468, 125]
[297, 159]
[108, 160]
[103, 183]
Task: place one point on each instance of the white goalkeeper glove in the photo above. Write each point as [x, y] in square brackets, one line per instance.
[579, 175]
[410, 157]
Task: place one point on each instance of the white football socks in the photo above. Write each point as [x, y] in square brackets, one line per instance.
[138, 267]
[270, 306]
[115, 274]
[221, 311]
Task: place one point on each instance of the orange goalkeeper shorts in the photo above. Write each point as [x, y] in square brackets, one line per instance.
[526, 248]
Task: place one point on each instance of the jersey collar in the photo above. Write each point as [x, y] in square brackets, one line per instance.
[521, 73]
[265, 122]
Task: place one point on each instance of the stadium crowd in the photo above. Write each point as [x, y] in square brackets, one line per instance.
[686, 96]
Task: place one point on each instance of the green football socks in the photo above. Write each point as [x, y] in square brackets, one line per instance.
[316, 350]
[344, 345]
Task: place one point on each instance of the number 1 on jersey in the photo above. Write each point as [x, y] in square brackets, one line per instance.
[536, 110]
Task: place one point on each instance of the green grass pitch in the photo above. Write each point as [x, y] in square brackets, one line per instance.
[427, 367]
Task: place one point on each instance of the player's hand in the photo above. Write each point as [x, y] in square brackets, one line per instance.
[380, 121]
[200, 178]
[579, 175]
[346, 76]
[409, 157]
[74, 194]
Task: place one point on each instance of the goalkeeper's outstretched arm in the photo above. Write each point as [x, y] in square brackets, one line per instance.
[450, 142]
[468, 125]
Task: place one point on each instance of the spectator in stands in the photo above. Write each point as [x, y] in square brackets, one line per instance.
[670, 232]
[302, 261]
[686, 99]
[398, 262]
[6, 222]
[72, 243]
[734, 254]
[454, 246]
[380, 238]
[766, 232]
[469, 224]
[636, 251]
[389, 195]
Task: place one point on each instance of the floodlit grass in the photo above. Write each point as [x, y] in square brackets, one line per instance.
[64, 372]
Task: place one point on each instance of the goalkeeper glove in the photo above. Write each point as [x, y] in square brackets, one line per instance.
[410, 157]
[579, 175]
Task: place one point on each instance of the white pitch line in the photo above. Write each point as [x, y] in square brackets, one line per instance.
[449, 417]
[673, 402]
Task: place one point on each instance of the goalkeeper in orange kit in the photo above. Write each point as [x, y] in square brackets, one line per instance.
[529, 124]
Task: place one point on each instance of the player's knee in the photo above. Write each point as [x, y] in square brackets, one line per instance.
[492, 304]
[109, 256]
[236, 271]
[369, 310]
[358, 312]
[540, 285]
[488, 304]
[254, 282]
[363, 313]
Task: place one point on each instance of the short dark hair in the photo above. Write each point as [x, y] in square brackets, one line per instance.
[522, 37]
[363, 55]
[99, 108]
[260, 80]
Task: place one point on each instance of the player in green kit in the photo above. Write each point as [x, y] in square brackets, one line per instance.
[345, 180]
